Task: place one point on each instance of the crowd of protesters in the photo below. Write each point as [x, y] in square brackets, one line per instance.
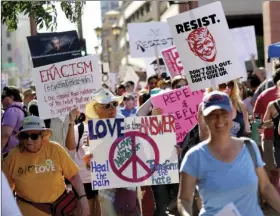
[217, 164]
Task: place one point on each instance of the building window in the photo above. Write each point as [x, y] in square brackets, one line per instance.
[148, 7]
[10, 60]
[8, 34]
[9, 47]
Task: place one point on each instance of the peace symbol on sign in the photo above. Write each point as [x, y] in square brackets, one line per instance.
[134, 159]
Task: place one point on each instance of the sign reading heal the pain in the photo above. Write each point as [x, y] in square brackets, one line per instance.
[133, 151]
[183, 104]
[143, 37]
[172, 61]
[62, 85]
[204, 42]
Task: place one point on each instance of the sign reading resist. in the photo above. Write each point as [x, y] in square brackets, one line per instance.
[62, 85]
[143, 37]
[204, 42]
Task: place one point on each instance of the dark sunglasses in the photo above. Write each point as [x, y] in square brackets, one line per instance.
[110, 105]
[223, 86]
[129, 98]
[26, 136]
[179, 86]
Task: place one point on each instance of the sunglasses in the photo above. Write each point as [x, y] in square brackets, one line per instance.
[26, 136]
[223, 86]
[179, 86]
[110, 105]
[129, 98]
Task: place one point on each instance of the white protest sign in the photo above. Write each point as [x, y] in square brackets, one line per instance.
[63, 85]
[133, 151]
[204, 43]
[143, 37]
[113, 78]
[131, 75]
[229, 210]
[245, 43]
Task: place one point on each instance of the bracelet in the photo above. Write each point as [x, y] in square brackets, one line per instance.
[80, 197]
[71, 123]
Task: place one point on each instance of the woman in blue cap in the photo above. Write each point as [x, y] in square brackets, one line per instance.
[226, 170]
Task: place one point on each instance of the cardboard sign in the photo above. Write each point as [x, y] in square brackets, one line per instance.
[172, 61]
[134, 151]
[143, 37]
[245, 43]
[183, 104]
[63, 85]
[204, 43]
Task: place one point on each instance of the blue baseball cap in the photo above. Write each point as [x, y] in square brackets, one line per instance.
[216, 100]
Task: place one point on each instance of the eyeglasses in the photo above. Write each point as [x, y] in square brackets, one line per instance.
[223, 86]
[32, 136]
[129, 98]
[110, 105]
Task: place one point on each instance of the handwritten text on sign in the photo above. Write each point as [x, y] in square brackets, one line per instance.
[183, 104]
[135, 151]
[143, 37]
[205, 46]
[62, 85]
[172, 61]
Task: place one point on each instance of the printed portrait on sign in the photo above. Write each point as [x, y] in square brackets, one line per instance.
[202, 44]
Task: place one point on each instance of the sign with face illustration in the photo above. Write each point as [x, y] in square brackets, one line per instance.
[143, 37]
[205, 46]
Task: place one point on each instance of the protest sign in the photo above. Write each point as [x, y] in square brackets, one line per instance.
[172, 61]
[245, 44]
[135, 151]
[204, 43]
[62, 85]
[49, 48]
[143, 37]
[183, 104]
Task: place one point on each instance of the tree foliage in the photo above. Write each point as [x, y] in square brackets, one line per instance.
[43, 12]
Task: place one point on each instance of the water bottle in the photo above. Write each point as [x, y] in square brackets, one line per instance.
[257, 122]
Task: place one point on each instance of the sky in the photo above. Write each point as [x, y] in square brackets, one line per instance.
[90, 20]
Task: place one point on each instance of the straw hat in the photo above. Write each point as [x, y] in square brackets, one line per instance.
[34, 123]
[101, 96]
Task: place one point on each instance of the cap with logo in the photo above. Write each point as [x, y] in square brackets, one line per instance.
[216, 100]
[34, 123]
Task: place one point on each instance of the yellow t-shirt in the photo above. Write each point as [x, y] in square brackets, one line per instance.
[38, 177]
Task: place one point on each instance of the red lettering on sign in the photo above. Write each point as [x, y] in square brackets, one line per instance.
[154, 126]
[73, 69]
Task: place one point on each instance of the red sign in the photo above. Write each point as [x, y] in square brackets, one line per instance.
[172, 61]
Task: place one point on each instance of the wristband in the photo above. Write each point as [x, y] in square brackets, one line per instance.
[80, 197]
[71, 123]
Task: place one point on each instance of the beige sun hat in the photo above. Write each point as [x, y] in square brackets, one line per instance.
[34, 123]
[101, 96]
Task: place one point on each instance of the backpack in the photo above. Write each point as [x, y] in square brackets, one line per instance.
[23, 109]
[81, 129]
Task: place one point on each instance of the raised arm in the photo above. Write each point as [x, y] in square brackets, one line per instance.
[70, 137]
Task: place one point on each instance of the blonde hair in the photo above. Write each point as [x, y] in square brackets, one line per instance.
[234, 96]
